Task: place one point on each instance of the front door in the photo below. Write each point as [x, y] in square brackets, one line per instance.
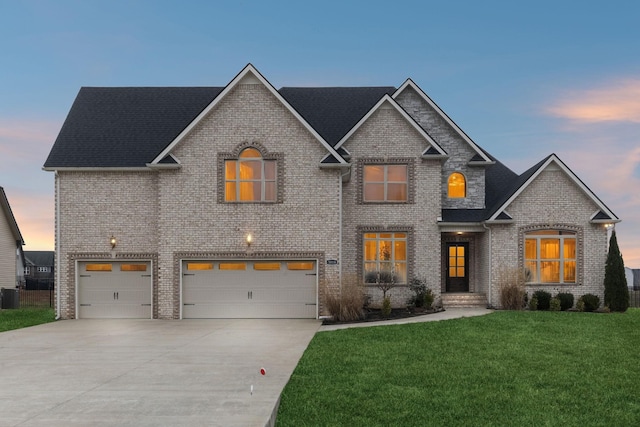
[457, 273]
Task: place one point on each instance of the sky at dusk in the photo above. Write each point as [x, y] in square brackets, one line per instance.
[523, 80]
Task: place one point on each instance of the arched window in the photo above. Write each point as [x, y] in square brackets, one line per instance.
[250, 178]
[457, 186]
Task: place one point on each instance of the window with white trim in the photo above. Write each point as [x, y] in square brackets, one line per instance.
[385, 254]
[250, 178]
[550, 256]
[456, 186]
[385, 183]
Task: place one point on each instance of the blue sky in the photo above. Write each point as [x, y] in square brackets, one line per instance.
[523, 80]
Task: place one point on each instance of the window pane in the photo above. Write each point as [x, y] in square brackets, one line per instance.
[456, 186]
[250, 169]
[460, 251]
[230, 169]
[373, 192]
[269, 191]
[230, 191]
[570, 271]
[250, 152]
[400, 251]
[400, 235]
[452, 251]
[270, 170]
[452, 272]
[452, 261]
[98, 267]
[250, 191]
[460, 271]
[530, 251]
[385, 250]
[305, 265]
[233, 266]
[369, 267]
[199, 266]
[397, 173]
[397, 192]
[385, 235]
[569, 248]
[266, 266]
[550, 271]
[133, 267]
[370, 250]
[550, 248]
[401, 272]
[374, 173]
[370, 235]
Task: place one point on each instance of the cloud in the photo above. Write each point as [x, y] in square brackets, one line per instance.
[22, 139]
[618, 101]
[34, 213]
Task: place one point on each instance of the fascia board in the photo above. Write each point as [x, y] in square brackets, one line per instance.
[399, 109]
[554, 159]
[97, 169]
[463, 135]
[249, 69]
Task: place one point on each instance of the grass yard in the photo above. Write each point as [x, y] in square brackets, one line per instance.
[508, 368]
[23, 317]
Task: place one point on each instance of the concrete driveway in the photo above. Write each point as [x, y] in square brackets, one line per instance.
[148, 372]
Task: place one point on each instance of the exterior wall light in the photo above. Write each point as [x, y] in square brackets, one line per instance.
[113, 242]
[249, 240]
[608, 225]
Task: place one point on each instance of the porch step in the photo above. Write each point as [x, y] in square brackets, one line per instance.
[464, 300]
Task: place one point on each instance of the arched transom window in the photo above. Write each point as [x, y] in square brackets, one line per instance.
[250, 178]
[457, 186]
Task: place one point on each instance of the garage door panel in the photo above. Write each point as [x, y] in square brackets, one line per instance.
[114, 290]
[258, 289]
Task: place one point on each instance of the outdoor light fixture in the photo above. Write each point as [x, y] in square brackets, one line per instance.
[249, 240]
[113, 242]
[608, 225]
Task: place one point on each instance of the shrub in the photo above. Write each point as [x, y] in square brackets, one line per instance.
[348, 304]
[386, 306]
[423, 296]
[512, 291]
[512, 296]
[590, 302]
[566, 300]
[544, 299]
[533, 303]
[554, 304]
[616, 293]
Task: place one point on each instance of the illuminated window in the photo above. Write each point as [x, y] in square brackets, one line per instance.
[457, 186]
[233, 266]
[133, 267]
[266, 266]
[199, 266]
[385, 183]
[385, 255]
[250, 178]
[550, 256]
[98, 267]
[302, 265]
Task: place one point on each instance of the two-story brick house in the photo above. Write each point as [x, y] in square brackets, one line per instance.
[244, 201]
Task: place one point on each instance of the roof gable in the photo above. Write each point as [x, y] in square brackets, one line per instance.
[11, 220]
[432, 149]
[248, 75]
[480, 157]
[530, 175]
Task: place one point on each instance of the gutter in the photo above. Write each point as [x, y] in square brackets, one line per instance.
[57, 253]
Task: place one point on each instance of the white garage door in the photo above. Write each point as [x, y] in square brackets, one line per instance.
[248, 289]
[114, 290]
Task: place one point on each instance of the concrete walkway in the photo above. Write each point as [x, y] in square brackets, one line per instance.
[76, 373]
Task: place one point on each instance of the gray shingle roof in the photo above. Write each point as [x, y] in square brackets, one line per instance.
[126, 126]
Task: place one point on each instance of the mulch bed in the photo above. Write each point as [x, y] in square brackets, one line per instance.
[375, 315]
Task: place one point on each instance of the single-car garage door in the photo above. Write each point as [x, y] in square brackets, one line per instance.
[248, 289]
[116, 290]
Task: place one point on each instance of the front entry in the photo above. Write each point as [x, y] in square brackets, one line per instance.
[457, 273]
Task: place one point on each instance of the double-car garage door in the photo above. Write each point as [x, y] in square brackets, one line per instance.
[248, 289]
[211, 289]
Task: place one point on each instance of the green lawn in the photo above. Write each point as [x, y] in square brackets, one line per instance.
[23, 317]
[506, 368]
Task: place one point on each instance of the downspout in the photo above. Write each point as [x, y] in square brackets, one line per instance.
[490, 264]
[57, 253]
[342, 176]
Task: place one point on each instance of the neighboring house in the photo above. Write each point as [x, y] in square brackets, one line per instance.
[247, 201]
[633, 278]
[11, 242]
[39, 272]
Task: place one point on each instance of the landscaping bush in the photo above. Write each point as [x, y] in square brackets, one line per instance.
[423, 296]
[386, 307]
[512, 292]
[589, 302]
[544, 299]
[566, 300]
[554, 304]
[616, 293]
[347, 305]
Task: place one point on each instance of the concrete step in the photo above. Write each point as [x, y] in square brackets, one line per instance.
[464, 300]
